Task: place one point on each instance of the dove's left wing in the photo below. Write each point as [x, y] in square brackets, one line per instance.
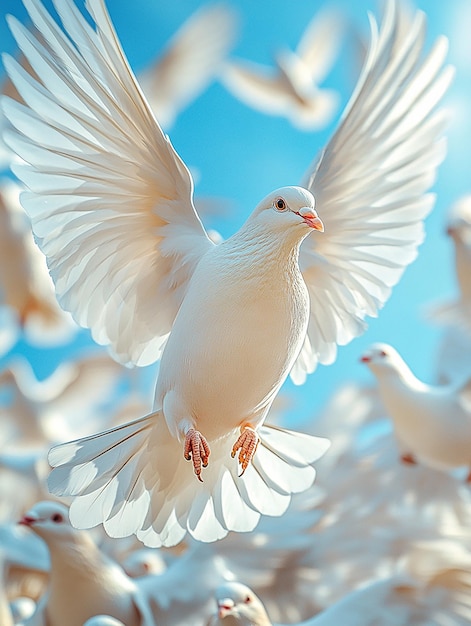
[111, 202]
[370, 185]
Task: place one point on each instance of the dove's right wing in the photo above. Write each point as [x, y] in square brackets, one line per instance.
[371, 183]
[111, 202]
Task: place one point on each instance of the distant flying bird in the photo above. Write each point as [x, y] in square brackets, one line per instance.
[83, 581]
[191, 60]
[458, 312]
[432, 423]
[25, 285]
[69, 400]
[432, 586]
[111, 205]
[292, 88]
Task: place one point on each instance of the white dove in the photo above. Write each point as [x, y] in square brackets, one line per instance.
[192, 59]
[111, 205]
[292, 88]
[83, 581]
[25, 285]
[458, 312]
[432, 423]
[432, 586]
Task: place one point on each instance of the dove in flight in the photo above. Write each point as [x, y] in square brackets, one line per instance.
[291, 89]
[432, 586]
[111, 203]
[83, 581]
[191, 60]
[432, 422]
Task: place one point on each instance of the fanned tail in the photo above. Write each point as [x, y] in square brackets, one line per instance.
[134, 480]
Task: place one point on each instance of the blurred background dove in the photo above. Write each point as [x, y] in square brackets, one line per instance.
[431, 586]
[432, 423]
[292, 89]
[83, 581]
[191, 60]
[25, 285]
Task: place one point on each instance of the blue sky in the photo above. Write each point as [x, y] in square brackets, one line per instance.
[242, 154]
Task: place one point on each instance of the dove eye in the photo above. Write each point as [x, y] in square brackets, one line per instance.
[57, 518]
[383, 353]
[248, 599]
[280, 204]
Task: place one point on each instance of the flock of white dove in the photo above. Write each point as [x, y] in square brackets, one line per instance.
[195, 508]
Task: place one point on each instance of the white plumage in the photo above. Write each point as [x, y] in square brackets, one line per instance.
[111, 205]
[190, 61]
[432, 422]
[83, 581]
[291, 89]
[431, 586]
[25, 285]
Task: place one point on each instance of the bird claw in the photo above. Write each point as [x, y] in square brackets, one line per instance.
[196, 449]
[246, 444]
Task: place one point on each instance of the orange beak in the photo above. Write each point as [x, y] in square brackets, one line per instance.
[311, 218]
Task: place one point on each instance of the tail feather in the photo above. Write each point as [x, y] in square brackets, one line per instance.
[93, 461]
[135, 480]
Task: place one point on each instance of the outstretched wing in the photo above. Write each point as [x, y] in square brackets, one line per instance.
[370, 185]
[111, 202]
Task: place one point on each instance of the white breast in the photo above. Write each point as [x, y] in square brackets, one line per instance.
[233, 343]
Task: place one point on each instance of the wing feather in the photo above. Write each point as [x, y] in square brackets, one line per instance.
[371, 183]
[111, 202]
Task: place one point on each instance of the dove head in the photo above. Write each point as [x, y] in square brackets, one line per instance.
[289, 210]
[239, 602]
[48, 519]
[381, 357]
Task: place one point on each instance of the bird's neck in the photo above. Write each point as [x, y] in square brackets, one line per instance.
[80, 558]
[403, 379]
[260, 249]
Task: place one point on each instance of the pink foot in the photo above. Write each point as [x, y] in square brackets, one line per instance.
[408, 459]
[196, 447]
[246, 444]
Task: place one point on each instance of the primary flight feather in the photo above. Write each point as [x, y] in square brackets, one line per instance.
[111, 203]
